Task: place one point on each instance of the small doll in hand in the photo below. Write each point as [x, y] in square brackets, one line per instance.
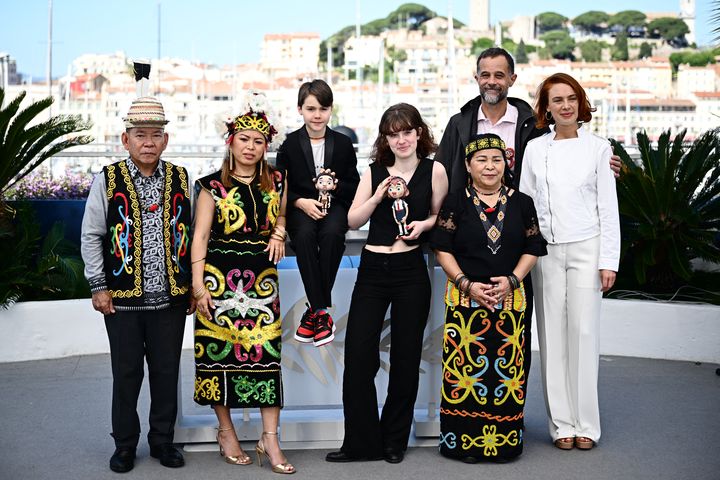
[397, 190]
[325, 183]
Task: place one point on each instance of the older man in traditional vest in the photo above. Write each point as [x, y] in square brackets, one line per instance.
[135, 244]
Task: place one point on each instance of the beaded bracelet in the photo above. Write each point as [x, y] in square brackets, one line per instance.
[514, 281]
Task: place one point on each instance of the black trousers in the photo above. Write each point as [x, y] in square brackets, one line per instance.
[400, 281]
[134, 336]
[319, 247]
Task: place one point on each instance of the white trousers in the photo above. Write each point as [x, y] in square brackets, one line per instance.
[567, 296]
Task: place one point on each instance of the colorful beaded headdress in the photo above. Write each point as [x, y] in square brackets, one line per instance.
[258, 116]
[484, 142]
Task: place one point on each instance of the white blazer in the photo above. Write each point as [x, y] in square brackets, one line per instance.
[573, 188]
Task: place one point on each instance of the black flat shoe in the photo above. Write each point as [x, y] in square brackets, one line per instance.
[168, 455]
[392, 455]
[342, 457]
[123, 460]
[471, 460]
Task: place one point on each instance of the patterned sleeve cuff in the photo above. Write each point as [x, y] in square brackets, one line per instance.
[97, 284]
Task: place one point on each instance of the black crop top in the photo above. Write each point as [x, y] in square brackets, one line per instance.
[383, 229]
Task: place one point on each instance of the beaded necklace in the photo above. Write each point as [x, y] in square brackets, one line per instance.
[492, 230]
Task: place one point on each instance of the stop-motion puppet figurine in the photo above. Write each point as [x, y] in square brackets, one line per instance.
[325, 183]
[397, 190]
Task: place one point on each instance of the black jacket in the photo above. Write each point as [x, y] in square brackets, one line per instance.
[451, 152]
[296, 159]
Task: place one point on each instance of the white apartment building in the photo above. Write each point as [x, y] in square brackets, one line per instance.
[365, 50]
[294, 55]
[697, 79]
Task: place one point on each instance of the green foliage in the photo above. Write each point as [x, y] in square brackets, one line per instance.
[480, 44]
[37, 268]
[559, 44]
[592, 21]
[591, 50]
[715, 20]
[24, 145]
[509, 45]
[627, 19]
[669, 207]
[521, 53]
[671, 30]
[408, 15]
[548, 21]
[645, 50]
[693, 58]
[415, 14]
[395, 55]
[620, 50]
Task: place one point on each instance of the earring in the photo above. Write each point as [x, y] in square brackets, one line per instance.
[232, 162]
[548, 115]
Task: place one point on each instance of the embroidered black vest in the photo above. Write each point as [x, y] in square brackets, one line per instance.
[123, 242]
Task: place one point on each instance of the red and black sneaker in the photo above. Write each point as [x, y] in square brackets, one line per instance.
[306, 330]
[324, 328]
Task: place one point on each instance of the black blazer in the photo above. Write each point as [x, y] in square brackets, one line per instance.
[296, 159]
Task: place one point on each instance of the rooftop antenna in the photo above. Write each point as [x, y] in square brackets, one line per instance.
[157, 83]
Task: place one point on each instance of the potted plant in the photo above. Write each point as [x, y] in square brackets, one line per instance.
[29, 264]
[54, 199]
[670, 212]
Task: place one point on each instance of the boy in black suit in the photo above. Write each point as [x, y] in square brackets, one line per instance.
[317, 238]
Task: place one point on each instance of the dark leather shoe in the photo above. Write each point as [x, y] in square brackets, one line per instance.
[471, 460]
[168, 455]
[123, 460]
[392, 455]
[342, 457]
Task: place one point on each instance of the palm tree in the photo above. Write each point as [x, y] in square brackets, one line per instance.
[670, 207]
[715, 20]
[23, 147]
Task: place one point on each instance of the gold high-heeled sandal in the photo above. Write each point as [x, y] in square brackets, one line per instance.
[242, 459]
[284, 468]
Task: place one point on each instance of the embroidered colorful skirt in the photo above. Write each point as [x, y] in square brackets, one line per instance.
[484, 379]
[237, 351]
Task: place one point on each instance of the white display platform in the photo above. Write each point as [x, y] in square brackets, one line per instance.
[312, 376]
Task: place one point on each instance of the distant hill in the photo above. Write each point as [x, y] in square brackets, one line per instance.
[407, 15]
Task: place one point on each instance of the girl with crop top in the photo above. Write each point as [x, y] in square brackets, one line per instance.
[393, 273]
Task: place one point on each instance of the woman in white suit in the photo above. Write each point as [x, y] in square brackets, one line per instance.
[566, 173]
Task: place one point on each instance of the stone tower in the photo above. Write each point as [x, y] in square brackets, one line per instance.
[480, 15]
[687, 14]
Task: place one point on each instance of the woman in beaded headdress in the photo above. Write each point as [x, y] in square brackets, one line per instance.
[486, 240]
[238, 239]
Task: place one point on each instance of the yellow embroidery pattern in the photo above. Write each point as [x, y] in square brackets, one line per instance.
[489, 440]
[459, 361]
[137, 234]
[208, 389]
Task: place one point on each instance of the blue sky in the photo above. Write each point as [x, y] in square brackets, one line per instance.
[231, 32]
